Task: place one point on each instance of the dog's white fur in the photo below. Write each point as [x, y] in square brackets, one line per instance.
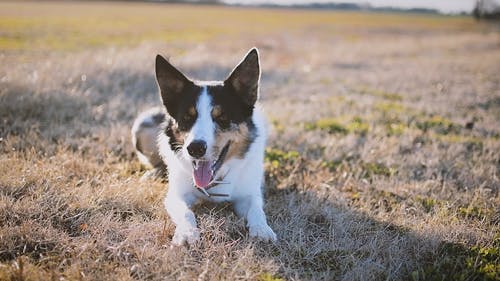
[244, 176]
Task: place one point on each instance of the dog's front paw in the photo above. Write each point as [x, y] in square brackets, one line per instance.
[183, 235]
[262, 231]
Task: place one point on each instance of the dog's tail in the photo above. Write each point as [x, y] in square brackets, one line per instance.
[145, 131]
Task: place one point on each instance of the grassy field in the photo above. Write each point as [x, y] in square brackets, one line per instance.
[383, 161]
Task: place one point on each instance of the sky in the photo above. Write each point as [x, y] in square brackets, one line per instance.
[445, 6]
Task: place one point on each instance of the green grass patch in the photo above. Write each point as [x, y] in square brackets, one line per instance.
[391, 113]
[455, 262]
[476, 213]
[280, 165]
[278, 126]
[395, 128]
[334, 126]
[372, 169]
[277, 157]
[471, 142]
[358, 126]
[427, 203]
[269, 277]
[439, 125]
[333, 165]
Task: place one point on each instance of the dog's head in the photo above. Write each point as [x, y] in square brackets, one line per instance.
[211, 121]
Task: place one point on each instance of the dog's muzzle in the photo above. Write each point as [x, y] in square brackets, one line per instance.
[204, 171]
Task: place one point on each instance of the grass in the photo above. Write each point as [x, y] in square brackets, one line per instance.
[462, 263]
[75, 26]
[278, 157]
[331, 126]
[334, 126]
[438, 124]
[381, 93]
[382, 157]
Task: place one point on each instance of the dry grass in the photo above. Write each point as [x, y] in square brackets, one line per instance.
[383, 162]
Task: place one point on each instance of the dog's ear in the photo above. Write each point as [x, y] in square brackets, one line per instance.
[244, 79]
[171, 82]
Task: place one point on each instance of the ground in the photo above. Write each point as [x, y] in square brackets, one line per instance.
[382, 163]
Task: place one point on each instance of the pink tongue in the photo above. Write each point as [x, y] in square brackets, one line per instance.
[203, 174]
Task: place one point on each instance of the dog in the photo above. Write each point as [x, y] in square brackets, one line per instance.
[211, 137]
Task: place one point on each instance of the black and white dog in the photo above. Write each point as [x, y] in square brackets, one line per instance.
[212, 137]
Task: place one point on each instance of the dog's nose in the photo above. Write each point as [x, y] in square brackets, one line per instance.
[197, 148]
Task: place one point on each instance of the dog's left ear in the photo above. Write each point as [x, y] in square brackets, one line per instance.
[244, 79]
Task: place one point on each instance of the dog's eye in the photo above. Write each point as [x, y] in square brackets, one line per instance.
[216, 112]
[192, 111]
[222, 118]
[190, 115]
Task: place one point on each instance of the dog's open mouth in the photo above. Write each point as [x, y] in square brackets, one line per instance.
[205, 171]
[202, 173]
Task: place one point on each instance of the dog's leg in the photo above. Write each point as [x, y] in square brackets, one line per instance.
[251, 208]
[178, 208]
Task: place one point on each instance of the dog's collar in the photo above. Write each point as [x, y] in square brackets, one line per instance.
[215, 167]
[205, 192]
[213, 184]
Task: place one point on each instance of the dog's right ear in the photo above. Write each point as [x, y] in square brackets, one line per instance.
[171, 82]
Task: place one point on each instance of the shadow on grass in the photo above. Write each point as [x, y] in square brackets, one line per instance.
[322, 240]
